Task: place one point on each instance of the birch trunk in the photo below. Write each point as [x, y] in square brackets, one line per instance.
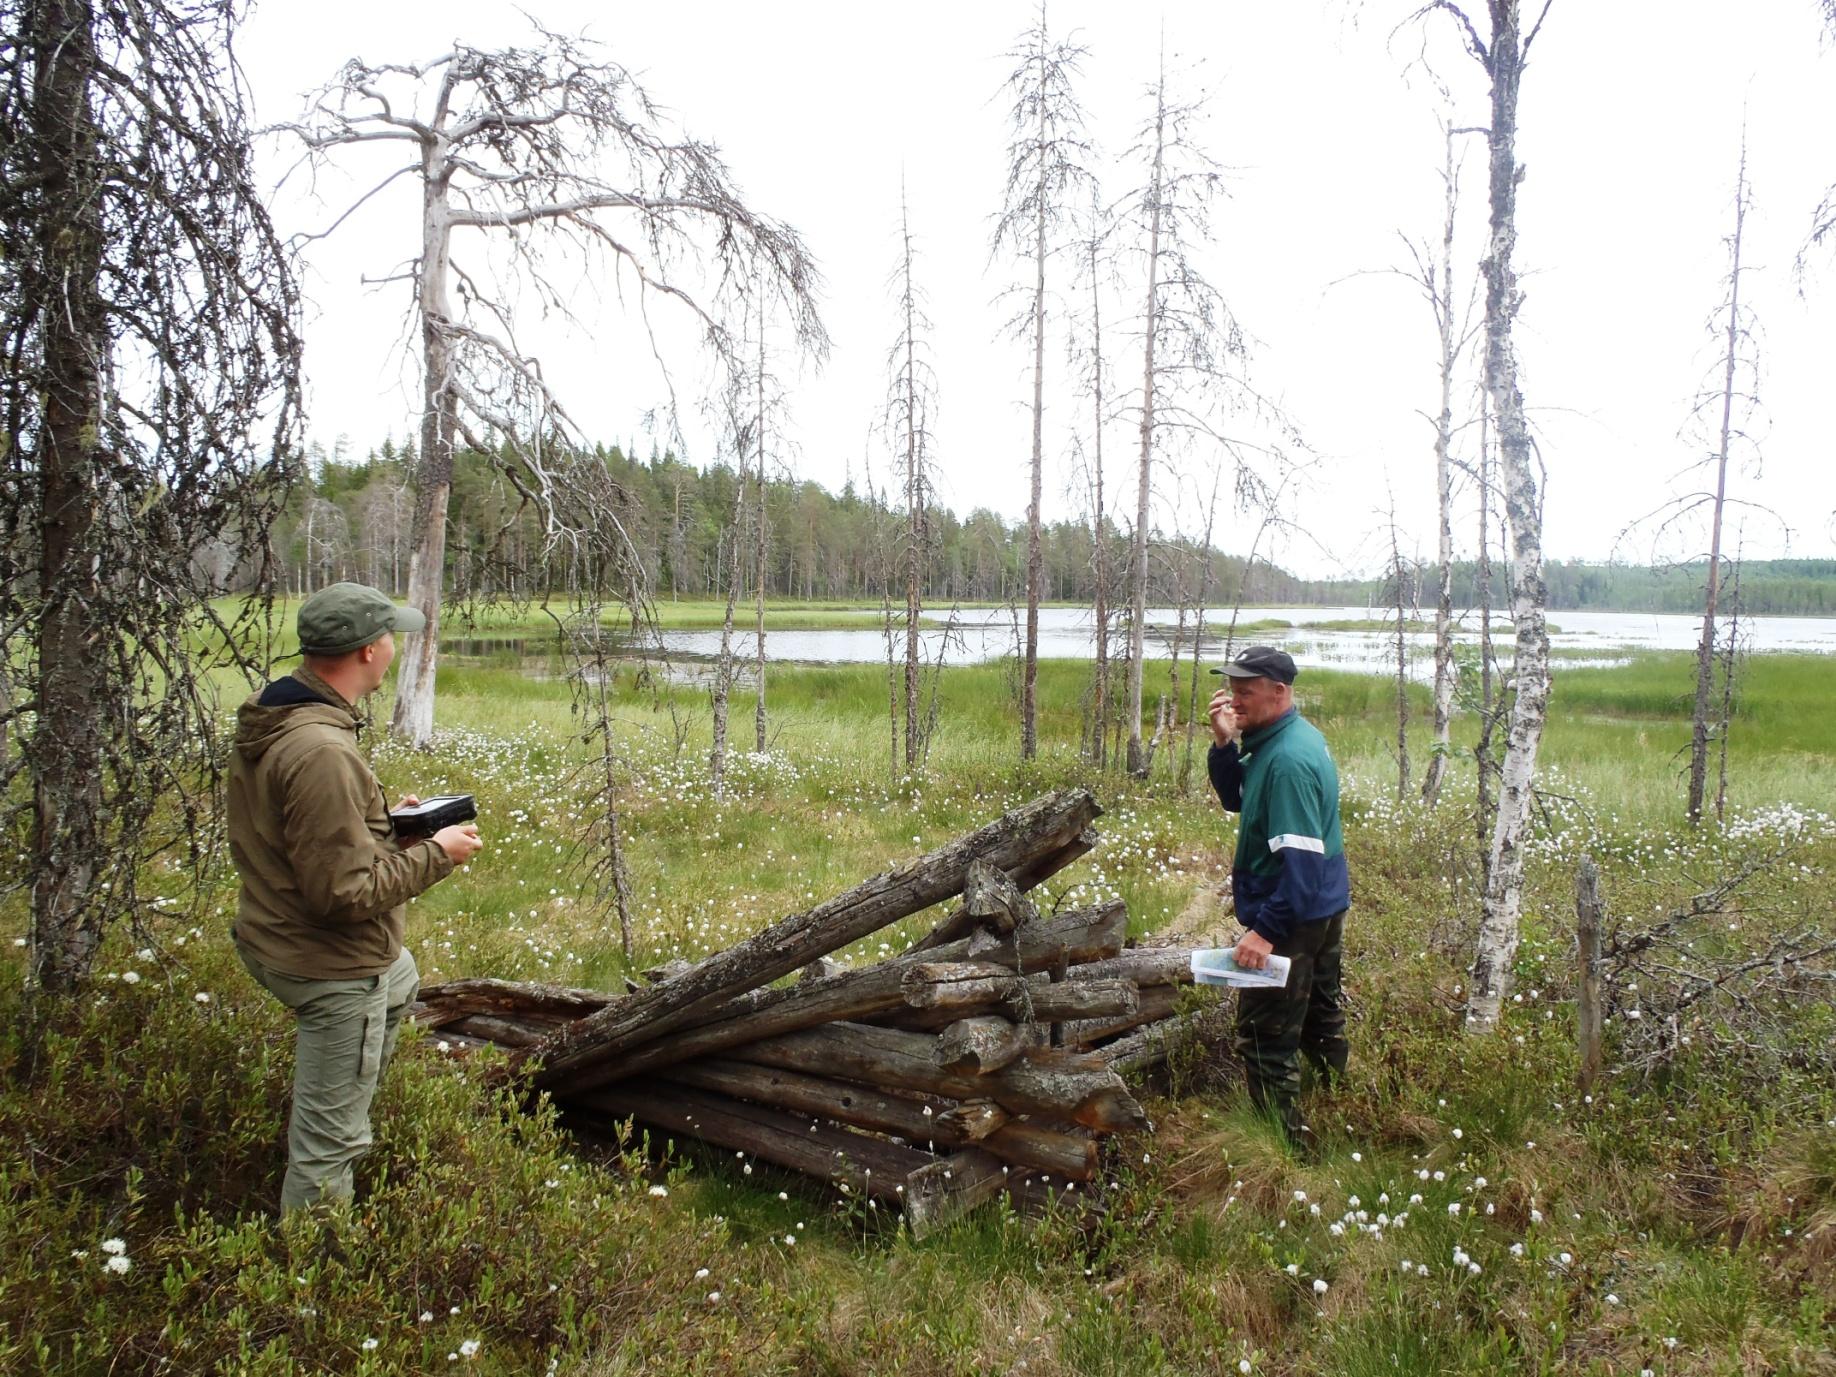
[914, 507]
[1443, 482]
[1499, 928]
[412, 720]
[1137, 760]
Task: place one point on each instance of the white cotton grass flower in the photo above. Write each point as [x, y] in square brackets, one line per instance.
[659, 1191]
[202, 997]
[713, 1298]
[370, 1345]
[468, 1349]
[1292, 1269]
[130, 977]
[114, 1247]
[1243, 1366]
[118, 1264]
[1319, 1286]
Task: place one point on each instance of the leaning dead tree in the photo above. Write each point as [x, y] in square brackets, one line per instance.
[1503, 56]
[149, 392]
[1189, 337]
[540, 155]
[1045, 169]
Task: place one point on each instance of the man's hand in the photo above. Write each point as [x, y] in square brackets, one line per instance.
[1224, 725]
[408, 801]
[461, 843]
[1252, 952]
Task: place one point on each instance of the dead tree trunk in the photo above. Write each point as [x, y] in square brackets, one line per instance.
[67, 778]
[723, 664]
[1138, 552]
[1588, 913]
[1705, 649]
[1443, 476]
[761, 553]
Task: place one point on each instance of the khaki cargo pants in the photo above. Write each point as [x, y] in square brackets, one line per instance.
[1304, 1018]
[347, 1033]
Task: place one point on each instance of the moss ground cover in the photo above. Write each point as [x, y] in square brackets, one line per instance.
[1471, 1212]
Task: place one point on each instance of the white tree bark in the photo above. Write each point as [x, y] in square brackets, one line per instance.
[1496, 951]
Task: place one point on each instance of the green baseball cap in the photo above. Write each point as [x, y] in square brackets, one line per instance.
[347, 616]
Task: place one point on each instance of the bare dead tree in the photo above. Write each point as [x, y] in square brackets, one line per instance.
[1434, 272]
[597, 561]
[1503, 56]
[1734, 393]
[149, 383]
[1731, 660]
[1189, 336]
[536, 151]
[1093, 250]
[1198, 629]
[910, 401]
[1400, 581]
[723, 664]
[1045, 169]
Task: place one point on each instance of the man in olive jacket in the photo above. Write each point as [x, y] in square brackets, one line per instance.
[1289, 879]
[325, 883]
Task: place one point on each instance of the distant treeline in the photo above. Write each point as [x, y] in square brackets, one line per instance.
[353, 519]
[1773, 587]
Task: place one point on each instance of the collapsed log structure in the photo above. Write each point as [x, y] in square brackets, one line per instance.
[984, 1059]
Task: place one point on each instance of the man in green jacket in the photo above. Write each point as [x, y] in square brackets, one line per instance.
[1289, 881]
[325, 882]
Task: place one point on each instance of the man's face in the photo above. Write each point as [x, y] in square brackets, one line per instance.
[1258, 702]
[382, 655]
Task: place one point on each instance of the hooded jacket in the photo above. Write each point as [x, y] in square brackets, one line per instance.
[324, 881]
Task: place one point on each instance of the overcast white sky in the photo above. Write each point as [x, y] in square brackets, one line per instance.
[1630, 125]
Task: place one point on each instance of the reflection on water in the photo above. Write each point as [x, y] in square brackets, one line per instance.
[1591, 639]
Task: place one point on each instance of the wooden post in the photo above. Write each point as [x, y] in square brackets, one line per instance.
[1587, 1002]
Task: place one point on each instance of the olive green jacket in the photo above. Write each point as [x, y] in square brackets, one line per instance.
[324, 881]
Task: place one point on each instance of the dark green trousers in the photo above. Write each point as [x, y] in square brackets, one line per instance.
[1305, 1018]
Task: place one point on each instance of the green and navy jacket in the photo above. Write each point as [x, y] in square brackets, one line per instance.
[1290, 864]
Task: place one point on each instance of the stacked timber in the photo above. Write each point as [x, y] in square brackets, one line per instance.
[986, 1058]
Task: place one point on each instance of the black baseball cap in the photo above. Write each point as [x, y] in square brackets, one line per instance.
[1261, 662]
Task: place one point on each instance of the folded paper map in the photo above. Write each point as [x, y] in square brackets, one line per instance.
[1218, 966]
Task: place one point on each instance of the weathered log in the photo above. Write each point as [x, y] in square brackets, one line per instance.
[1016, 841]
[948, 1189]
[850, 995]
[1156, 1042]
[820, 968]
[979, 1045]
[860, 1161]
[445, 1003]
[931, 1190]
[1143, 965]
[990, 900]
[1156, 1002]
[970, 1121]
[1024, 1142]
[1081, 1089]
[511, 1034]
[1082, 935]
[1032, 1001]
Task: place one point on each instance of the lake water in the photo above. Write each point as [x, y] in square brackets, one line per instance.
[1583, 639]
